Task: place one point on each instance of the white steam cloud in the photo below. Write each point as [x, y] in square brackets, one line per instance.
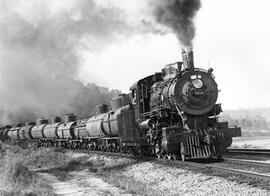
[40, 45]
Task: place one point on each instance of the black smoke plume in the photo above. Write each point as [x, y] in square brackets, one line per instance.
[178, 15]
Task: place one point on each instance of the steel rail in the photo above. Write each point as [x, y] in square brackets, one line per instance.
[251, 178]
[249, 151]
[248, 174]
[112, 154]
[247, 162]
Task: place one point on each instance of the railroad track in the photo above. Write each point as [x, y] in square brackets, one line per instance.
[254, 173]
[251, 165]
[264, 152]
[240, 176]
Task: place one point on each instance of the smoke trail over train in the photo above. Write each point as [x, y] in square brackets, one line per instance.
[41, 44]
[40, 56]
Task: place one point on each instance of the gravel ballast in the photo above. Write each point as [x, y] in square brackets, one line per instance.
[175, 181]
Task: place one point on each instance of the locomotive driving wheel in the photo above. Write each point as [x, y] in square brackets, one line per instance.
[182, 151]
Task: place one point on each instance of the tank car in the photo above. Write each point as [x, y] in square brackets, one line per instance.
[13, 132]
[37, 131]
[25, 131]
[4, 132]
[65, 131]
[81, 134]
[112, 130]
[50, 131]
[80, 130]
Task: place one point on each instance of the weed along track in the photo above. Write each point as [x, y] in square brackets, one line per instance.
[82, 182]
[80, 172]
[81, 175]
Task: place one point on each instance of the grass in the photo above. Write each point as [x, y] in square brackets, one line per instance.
[113, 174]
[115, 177]
[17, 179]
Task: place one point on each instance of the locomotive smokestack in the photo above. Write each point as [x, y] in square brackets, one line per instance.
[185, 59]
[188, 60]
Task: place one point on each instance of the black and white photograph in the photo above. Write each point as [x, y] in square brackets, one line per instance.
[134, 98]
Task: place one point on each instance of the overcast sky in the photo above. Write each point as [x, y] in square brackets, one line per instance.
[232, 37]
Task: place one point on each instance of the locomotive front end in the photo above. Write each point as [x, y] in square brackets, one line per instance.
[195, 92]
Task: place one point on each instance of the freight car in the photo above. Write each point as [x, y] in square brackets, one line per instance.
[4, 133]
[169, 114]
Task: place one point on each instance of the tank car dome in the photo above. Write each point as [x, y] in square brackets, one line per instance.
[196, 92]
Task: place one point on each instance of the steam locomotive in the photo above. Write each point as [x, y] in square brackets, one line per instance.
[171, 114]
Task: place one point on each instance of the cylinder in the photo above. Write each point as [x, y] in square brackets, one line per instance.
[70, 118]
[147, 124]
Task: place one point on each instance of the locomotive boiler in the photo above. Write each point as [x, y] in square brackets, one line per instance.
[170, 114]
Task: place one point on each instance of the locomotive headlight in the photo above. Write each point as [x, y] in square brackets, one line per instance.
[197, 83]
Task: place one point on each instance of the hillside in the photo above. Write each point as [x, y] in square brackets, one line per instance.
[249, 119]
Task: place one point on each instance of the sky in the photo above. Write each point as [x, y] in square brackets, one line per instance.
[104, 42]
[232, 37]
